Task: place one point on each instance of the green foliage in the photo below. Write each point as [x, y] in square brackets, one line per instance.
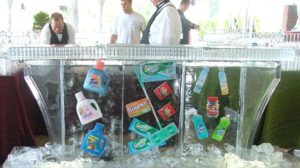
[40, 19]
[227, 25]
[229, 22]
[206, 27]
[239, 24]
[257, 24]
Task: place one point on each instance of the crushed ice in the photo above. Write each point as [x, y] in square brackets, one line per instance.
[56, 156]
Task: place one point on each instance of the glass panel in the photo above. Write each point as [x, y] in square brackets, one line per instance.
[197, 103]
[170, 100]
[110, 105]
[43, 79]
[258, 86]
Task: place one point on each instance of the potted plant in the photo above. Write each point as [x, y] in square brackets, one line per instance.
[40, 19]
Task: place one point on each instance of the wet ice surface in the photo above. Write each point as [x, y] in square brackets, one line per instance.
[55, 156]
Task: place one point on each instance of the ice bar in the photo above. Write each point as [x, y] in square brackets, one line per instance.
[55, 74]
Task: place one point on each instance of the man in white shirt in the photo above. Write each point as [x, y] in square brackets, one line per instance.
[57, 32]
[128, 25]
[164, 27]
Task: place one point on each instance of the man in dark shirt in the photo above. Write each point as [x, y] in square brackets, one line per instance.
[186, 24]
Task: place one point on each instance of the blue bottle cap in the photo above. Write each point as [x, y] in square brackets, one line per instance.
[98, 127]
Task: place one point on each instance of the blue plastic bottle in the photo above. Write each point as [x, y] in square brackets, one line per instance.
[94, 142]
[200, 127]
[96, 79]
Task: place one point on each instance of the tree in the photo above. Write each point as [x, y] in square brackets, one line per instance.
[40, 19]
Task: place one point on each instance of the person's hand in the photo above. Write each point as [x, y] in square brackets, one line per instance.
[194, 26]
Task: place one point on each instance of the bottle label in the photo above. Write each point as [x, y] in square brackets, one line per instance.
[221, 132]
[201, 128]
[212, 110]
[92, 142]
[94, 81]
[88, 111]
[85, 112]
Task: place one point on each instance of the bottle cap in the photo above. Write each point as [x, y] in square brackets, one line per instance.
[98, 127]
[80, 96]
[212, 98]
[191, 111]
[99, 65]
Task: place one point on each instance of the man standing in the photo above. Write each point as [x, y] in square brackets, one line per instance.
[164, 27]
[128, 26]
[57, 32]
[186, 24]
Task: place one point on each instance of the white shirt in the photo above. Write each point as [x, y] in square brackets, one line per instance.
[166, 29]
[45, 35]
[128, 28]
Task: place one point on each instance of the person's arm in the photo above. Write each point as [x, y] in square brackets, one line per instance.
[171, 27]
[190, 24]
[143, 24]
[45, 35]
[71, 33]
[114, 32]
[193, 26]
[113, 39]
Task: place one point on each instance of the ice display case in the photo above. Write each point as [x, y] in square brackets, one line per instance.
[56, 74]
